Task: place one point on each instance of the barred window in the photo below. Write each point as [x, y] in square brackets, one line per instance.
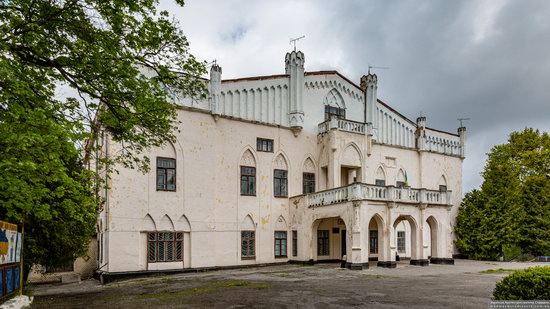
[309, 183]
[280, 244]
[166, 174]
[401, 241]
[248, 244]
[334, 111]
[280, 183]
[164, 247]
[264, 144]
[322, 242]
[248, 180]
[294, 243]
[373, 242]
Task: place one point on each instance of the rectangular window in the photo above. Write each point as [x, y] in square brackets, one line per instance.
[280, 244]
[401, 241]
[322, 242]
[164, 247]
[309, 183]
[248, 180]
[442, 188]
[248, 244]
[294, 243]
[265, 145]
[380, 182]
[166, 174]
[334, 111]
[280, 183]
[373, 242]
[400, 184]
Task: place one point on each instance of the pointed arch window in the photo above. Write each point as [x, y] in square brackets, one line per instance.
[166, 174]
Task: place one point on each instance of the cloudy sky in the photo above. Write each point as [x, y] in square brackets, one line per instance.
[486, 60]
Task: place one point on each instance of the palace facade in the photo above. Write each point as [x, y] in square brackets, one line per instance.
[302, 166]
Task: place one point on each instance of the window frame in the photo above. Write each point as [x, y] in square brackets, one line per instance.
[400, 184]
[251, 238]
[401, 242]
[248, 177]
[373, 242]
[280, 244]
[323, 242]
[380, 182]
[170, 242]
[308, 183]
[330, 111]
[443, 188]
[260, 143]
[166, 169]
[279, 180]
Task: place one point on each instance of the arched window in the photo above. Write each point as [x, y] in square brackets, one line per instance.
[248, 173]
[380, 179]
[442, 184]
[308, 176]
[401, 180]
[280, 177]
[334, 105]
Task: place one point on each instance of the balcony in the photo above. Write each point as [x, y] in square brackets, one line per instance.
[363, 191]
[342, 125]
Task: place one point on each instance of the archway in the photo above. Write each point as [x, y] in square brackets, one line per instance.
[377, 242]
[432, 237]
[330, 241]
[416, 249]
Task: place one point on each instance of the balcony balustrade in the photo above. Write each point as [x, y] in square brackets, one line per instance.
[342, 125]
[363, 191]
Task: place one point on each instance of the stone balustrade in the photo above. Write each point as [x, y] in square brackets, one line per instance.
[342, 125]
[363, 191]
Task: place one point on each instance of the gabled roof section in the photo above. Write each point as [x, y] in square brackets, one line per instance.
[396, 112]
[334, 73]
[251, 78]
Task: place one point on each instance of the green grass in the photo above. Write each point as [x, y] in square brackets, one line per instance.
[210, 287]
[497, 271]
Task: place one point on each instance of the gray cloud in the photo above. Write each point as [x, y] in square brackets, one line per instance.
[488, 60]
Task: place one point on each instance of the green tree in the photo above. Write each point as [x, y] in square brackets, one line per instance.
[512, 208]
[124, 62]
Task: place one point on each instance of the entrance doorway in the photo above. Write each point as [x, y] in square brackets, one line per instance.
[343, 242]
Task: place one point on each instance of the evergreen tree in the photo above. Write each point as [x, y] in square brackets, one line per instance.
[512, 208]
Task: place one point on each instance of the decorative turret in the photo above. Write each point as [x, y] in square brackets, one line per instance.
[369, 85]
[421, 122]
[420, 132]
[294, 67]
[462, 134]
[215, 89]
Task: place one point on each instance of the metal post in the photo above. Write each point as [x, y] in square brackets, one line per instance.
[21, 270]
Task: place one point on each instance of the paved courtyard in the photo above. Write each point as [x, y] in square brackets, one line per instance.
[468, 284]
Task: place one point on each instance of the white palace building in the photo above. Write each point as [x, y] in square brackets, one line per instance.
[298, 167]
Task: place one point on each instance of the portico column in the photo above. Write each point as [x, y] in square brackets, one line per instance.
[356, 260]
[420, 258]
[386, 252]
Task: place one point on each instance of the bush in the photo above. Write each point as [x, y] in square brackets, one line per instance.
[527, 284]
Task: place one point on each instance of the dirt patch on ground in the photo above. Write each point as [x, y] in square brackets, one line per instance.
[468, 284]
